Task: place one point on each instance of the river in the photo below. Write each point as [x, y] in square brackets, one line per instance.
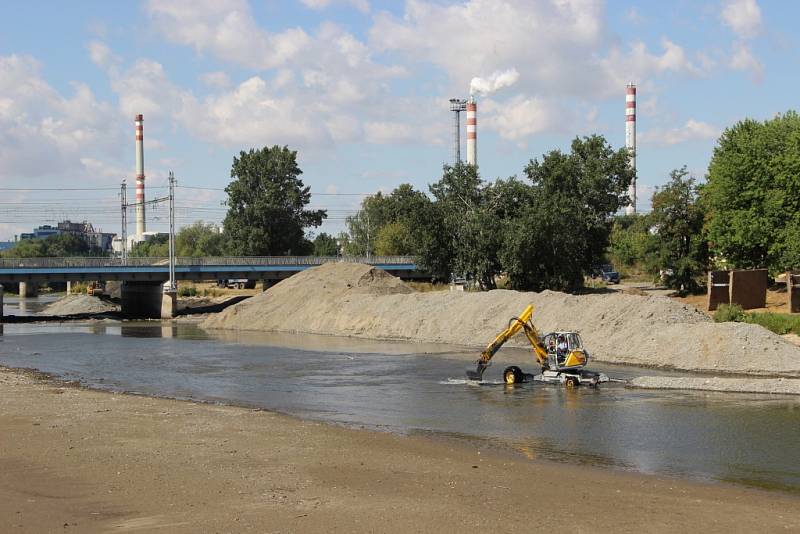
[417, 388]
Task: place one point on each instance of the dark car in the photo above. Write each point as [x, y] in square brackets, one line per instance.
[608, 274]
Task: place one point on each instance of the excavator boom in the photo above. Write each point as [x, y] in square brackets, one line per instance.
[523, 322]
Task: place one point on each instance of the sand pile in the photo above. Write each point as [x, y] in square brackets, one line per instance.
[358, 300]
[79, 304]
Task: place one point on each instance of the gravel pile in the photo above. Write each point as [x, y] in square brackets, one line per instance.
[781, 386]
[79, 304]
[348, 299]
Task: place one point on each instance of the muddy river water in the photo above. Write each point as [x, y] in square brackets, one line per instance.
[414, 388]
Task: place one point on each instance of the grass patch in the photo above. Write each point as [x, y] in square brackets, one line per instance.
[426, 287]
[212, 292]
[187, 291]
[780, 323]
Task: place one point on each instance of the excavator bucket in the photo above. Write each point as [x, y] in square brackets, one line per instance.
[515, 325]
[477, 374]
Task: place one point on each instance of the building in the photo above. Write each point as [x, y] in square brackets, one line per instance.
[40, 233]
[98, 240]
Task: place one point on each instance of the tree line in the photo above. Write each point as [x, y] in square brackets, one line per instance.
[546, 229]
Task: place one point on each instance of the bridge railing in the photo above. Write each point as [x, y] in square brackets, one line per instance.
[52, 263]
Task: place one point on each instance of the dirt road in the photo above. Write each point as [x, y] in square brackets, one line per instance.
[88, 461]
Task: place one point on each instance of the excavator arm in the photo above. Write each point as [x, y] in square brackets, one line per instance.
[523, 322]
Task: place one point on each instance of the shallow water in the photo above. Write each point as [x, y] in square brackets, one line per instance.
[748, 439]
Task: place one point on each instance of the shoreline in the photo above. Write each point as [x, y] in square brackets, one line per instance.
[93, 460]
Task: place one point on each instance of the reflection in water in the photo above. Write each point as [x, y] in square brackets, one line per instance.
[394, 386]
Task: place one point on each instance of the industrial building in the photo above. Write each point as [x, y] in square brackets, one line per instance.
[96, 239]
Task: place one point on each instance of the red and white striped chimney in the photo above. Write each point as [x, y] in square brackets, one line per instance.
[472, 131]
[630, 142]
[141, 226]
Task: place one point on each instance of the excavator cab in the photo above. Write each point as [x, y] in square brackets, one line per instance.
[564, 351]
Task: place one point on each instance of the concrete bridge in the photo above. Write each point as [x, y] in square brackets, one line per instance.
[143, 278]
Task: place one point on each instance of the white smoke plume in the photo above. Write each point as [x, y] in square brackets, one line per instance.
[497, 80]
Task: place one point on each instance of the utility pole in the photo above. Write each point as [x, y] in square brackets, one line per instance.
[173, 286]
[123, 195]
[366, 212]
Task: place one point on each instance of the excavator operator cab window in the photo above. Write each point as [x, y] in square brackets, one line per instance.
[574, 341]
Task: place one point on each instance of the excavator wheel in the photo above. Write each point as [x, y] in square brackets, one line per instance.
[571, 382]
[513, 375]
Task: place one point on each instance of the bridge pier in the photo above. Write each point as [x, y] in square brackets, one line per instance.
[28, 289]
[148, 300]
[1, 304]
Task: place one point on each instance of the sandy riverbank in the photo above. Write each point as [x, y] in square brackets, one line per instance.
[88, 461]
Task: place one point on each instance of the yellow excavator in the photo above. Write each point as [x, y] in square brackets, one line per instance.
[560, 354]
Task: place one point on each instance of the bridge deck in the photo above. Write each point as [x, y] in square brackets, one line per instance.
[141, 269]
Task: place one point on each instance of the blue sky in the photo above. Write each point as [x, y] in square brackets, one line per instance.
[360, 89]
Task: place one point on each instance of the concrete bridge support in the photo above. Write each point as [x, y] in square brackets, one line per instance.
[148, 300]
[28, 289]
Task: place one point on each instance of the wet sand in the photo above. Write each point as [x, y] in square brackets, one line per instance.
[89, 461]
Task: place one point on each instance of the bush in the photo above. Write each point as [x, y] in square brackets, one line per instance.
[212, 292]
[187, 291]
[730, 313]
[780, 323]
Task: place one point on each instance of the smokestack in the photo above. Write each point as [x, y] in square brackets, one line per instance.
[630, 141]
[141, 226]
[472, 131]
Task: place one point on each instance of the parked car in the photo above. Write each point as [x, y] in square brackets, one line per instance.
[606, 273]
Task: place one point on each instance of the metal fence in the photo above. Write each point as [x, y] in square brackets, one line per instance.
[53, 263]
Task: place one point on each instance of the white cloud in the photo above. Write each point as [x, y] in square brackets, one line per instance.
[518, 117]
[251, 114]
[382, 132]
[145, 88]
[742, 59]
[742, 16]
[216, 80]
[227, 30]
[638, 63]
[101, 55]
[693, 130]
[562, 48]
[320, 87]
[45, 133]
[361, 5]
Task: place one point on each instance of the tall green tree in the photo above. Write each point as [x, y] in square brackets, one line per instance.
[677, 218]
[461, 233]
[156, 246]
[560, 227]
[267, 202]
[200, 239]
[325, 245]
[753, 195]
[386, 222]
